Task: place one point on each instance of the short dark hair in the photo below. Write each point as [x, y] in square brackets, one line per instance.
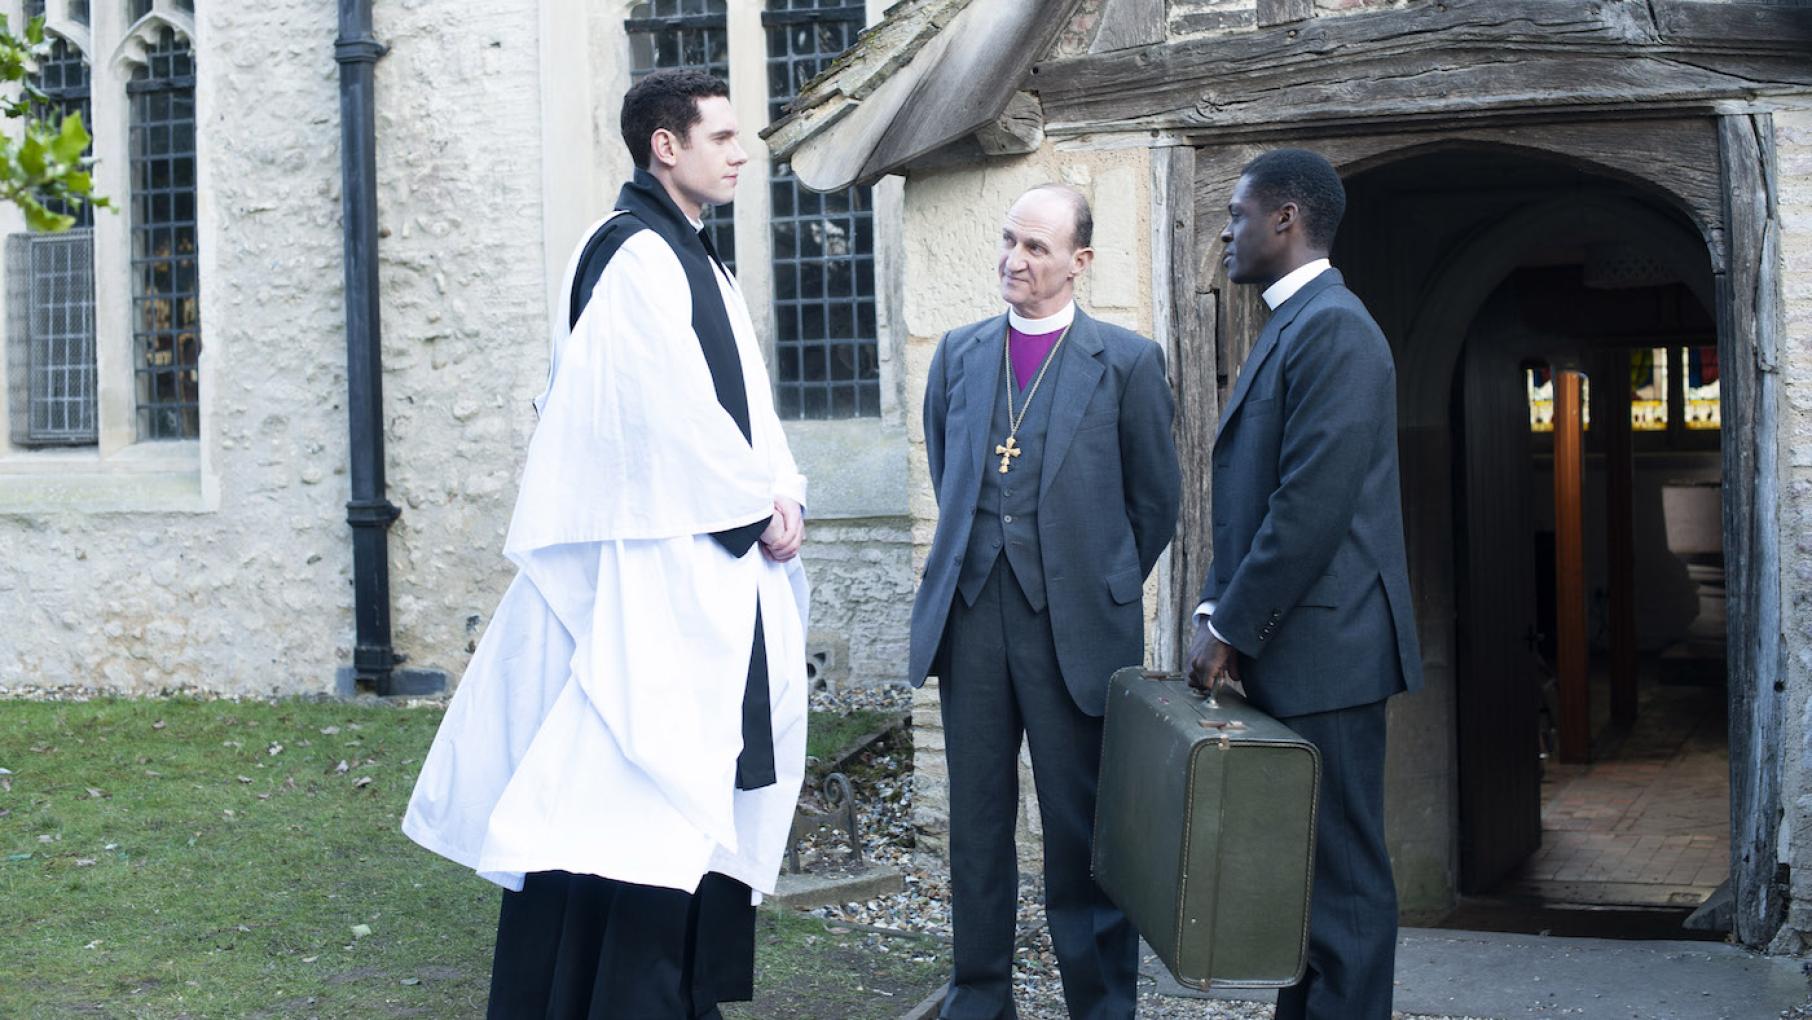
[668, 99]
[1305, 178]
[1085, 217]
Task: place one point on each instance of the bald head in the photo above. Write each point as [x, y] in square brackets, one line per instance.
[1081, 215]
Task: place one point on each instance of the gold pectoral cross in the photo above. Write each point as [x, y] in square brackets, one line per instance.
[1007, 453]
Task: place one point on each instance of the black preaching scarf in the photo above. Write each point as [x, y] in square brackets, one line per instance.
[647, 206]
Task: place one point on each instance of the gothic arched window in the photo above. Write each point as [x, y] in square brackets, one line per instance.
[55, 273]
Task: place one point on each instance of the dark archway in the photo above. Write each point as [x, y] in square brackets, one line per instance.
[1434, 241]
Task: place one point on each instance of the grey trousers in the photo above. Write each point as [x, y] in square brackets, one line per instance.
[1353, 905]
[1003, 681]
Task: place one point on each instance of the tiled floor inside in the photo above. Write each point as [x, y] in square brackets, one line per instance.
[1647, 822]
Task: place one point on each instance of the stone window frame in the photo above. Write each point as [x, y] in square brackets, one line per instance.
[120, 472]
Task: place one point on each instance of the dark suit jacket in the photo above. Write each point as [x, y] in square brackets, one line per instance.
[1107, 500]
[1309, 577]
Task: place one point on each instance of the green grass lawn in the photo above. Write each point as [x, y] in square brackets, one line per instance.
[217, 859]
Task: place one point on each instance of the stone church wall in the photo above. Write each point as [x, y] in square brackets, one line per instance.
[246, 588]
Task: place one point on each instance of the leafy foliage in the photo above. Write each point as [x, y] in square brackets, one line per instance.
[46, 166]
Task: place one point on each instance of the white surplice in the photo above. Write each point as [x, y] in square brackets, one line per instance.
[597, 728]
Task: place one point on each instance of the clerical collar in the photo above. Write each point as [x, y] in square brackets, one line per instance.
[1293, 281]
[1049, 324]
[696, 224]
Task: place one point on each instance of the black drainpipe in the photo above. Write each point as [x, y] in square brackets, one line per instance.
[369, 512]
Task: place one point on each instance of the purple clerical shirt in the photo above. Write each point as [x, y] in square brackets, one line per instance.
[1027, 352]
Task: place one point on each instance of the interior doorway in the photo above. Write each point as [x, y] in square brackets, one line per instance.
[1586, 591]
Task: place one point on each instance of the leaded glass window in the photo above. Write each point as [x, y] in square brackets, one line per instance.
[64, 79]
[78, 9]
[60, 390]
[58, 270]
[827, 355]
[691, 34]
[136, 9]
[166, 314]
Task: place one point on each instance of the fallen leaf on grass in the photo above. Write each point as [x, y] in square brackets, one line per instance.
[275, 748]
[328, 731]
[310, 959]
[264, 796]
[158, 725]
[96, 794]
[341, 768]
[412, 981]
[84, 862]
[111, 846]
[93, 945]
[229, 813]
[245, 779]
[154, 774]
[359, 931]
[361, 781]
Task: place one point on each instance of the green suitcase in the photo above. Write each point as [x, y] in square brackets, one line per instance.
[1205, 830]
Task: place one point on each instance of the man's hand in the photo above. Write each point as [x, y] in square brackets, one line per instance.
[786, 532]
[1210, 657]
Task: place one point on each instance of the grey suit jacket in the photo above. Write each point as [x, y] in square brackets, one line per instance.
[1309, 577]
[1107, 498]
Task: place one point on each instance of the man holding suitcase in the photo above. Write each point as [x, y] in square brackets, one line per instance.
[1048, 437]
[1307, 599]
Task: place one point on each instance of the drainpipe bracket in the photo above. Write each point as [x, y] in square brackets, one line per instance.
[363, 49]
[372, 513]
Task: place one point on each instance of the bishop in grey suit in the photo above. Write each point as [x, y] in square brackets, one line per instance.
[1048, 435]
[1307, 600]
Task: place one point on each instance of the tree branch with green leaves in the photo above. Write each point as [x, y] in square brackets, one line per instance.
[44, 166]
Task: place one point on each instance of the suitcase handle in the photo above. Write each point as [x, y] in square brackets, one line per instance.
[1211, 695]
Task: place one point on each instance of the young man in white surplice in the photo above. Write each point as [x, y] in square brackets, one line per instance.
[626, 748]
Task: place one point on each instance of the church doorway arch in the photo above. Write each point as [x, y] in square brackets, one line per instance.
[1472, 247]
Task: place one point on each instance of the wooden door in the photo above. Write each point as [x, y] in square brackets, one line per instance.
[1499, 681]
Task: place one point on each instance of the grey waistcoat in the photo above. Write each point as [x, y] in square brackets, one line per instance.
[1006, 510]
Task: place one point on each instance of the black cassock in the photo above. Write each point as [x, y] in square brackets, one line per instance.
[571, 946]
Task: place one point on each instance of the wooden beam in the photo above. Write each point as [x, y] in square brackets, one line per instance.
[1569, 570]
[1184, 325]
[1018, 130]
[1732, 24]
[1677, 156]
[1458, 58]
[1129, 23]
[1283, 12]
[1749, 332]
[1620, 534]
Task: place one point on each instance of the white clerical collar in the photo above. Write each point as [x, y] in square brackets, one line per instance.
[1049, 324]
[1293, 281]
[697, 225]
